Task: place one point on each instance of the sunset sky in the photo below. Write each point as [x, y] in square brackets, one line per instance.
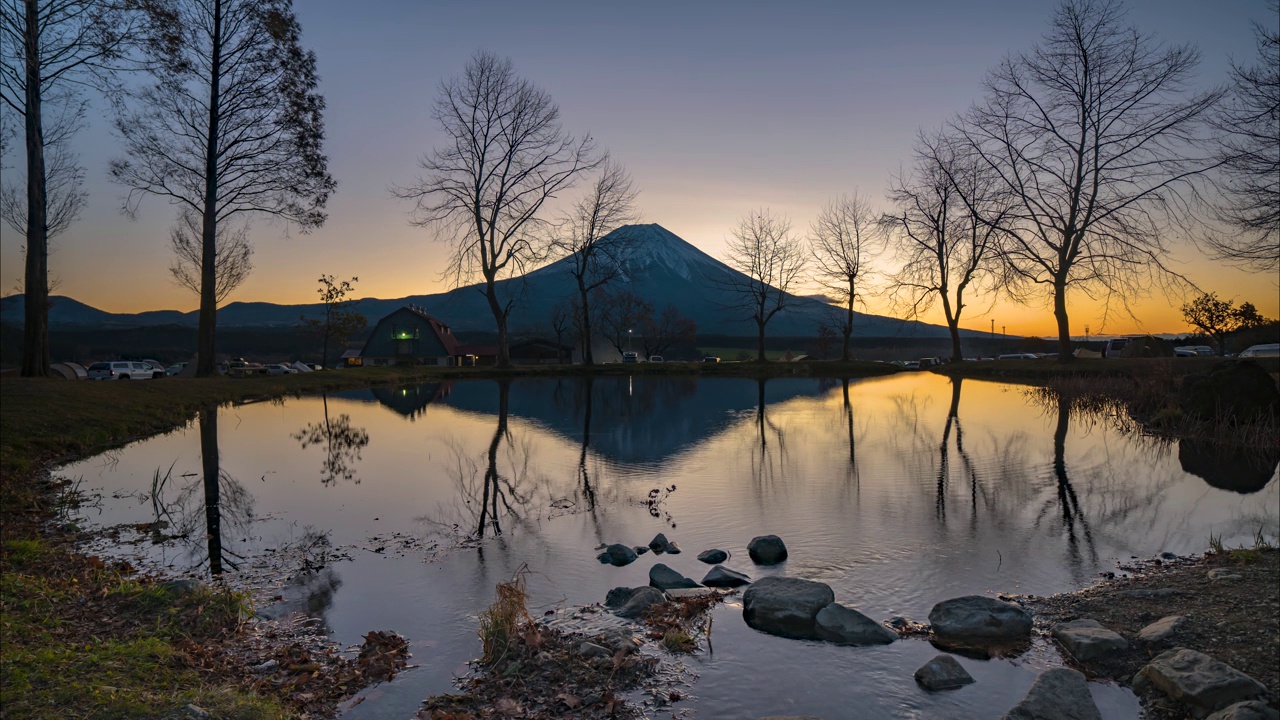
[716, 108]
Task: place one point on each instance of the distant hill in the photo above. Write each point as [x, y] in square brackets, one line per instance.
[664, 269]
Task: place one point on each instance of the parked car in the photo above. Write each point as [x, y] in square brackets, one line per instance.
[710, 358]
[656, 358]
[120, 370]
[281, 369]
[929, 362]
[911, 364]
[157, 370]
[630, 357]
[1184, 352]
[175, 369]
[1018, 356]
[1114, 346]
[239, 367]
[1266, 350]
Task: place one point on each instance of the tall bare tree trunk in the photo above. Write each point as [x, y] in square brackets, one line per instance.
[207, 341]
[35, 335]
[587, 358]
[1060, 313]
[760, 351]
[848, 325]
[500, 319]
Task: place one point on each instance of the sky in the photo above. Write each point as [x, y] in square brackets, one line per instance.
[715, 108]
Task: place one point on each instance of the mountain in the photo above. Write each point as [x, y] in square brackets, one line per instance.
[663, 269]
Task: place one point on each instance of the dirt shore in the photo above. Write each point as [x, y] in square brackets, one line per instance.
[1236, 620]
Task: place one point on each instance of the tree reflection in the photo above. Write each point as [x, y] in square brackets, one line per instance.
[342, 442]
[852, 468]
[769, 459]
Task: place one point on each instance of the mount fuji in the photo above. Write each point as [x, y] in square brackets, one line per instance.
[662, 268]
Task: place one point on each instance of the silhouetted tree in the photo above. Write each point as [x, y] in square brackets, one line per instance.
[1219, 318]
[49, 51]
[505, 156]
[946, 232]
[658, 334]
[233, 255]
[563, 320]
[341, 320]
[771, 260]
[1249, 150]
[231, 125]
[608, 205]
[1094, 136]
[845, 231]
[621, 314]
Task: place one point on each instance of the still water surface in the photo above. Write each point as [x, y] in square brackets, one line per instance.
[898, 492]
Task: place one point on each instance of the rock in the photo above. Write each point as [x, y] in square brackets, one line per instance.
[785, 606]
[592, 699]
[181, 588]
[713, 557]
[1058, 694]
[767, 550]
[673, 549]
[664, 578]
[1088, 640]
[640, 600]
[721, 576]
[659, 543]
[1162, 629]
[1199, 680]
[846, 626]
[1166, 555]
[1240, 389]
[194, 712]
[641, 549]
[974, 617]
[942, 673]
[267, 666]
[592, 650]
[1248, 710]
[1226, 574]
[1140, 684]
[619, 639]
[1151, 593]
[618, 555]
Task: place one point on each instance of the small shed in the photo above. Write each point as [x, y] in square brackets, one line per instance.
[540, 351]
[409, 336]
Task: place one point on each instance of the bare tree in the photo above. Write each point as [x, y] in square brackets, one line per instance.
[563, 322]
[1094, 135]
[231, 125]
[608, 205]
[49, 50]
[483, 189]
[1249, 150]
[233, 255]
[658, 334]
[341, 319]
[770, 261]
[620, 315]
[845, 232]
[945, 230]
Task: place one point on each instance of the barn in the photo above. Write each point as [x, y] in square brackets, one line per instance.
[409, 336]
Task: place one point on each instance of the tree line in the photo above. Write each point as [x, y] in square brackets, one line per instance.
[1086, 153]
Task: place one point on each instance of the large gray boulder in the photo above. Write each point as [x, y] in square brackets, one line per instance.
[1199, 680]
[1247, 710]
[721, 576]
[978, 618]
[1162, 629]
[846, 626]
[640, 600]
[617, 554]
[664, 578]
[943, 672]
[767, 550]
[1088, 640]
[785, 606]
[1057, 694]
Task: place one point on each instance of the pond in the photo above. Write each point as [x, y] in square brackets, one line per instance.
[898, 492]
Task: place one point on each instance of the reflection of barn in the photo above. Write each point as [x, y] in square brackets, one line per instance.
[409, 335]
[412, 400]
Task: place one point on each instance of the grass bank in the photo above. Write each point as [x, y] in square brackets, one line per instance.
[81, 638]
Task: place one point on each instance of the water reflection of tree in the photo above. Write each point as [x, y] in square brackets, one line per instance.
[343, 444]
[769, 460]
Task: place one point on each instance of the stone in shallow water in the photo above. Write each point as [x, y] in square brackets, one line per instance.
[1162, 629]
[974, 617]
[767, 550]
[684, 593]
[1057, 694]
[721, 576]
[659, 543]
[839, 624]
[1199, 680]
[1088, 640]
[641, 599]
[713, 557]
[943, 672]
[1248, 710]
[664, 578]
[617, 554]
[785, 606]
